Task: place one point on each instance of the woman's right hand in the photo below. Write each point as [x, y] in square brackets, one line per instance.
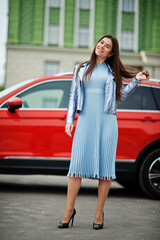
[69, 129]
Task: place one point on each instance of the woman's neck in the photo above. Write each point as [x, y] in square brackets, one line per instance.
[100, 60]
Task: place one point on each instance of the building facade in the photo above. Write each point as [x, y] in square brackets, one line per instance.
[46, 37]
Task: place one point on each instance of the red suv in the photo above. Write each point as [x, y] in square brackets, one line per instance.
[33, 141]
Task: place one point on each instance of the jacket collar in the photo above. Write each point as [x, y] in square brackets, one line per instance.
[82, 70]
[110, 69]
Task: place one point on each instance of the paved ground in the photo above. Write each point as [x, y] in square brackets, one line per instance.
[32, 206]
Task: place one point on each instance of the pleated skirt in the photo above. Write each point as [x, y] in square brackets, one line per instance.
[95, 140]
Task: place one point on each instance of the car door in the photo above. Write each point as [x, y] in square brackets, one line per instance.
[37, 129]
[138, 123]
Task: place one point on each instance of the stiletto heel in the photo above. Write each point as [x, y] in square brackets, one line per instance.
[66, 225]
[72, 221]
[97, 226]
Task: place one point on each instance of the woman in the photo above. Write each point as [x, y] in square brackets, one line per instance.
[96, 87]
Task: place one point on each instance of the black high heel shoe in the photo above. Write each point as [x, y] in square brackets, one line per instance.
[97, 226]
[66, 225]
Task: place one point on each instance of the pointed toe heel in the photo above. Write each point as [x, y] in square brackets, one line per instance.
[97, 226]
[66, 225]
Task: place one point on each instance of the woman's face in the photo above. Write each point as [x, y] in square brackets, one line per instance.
[104, 48]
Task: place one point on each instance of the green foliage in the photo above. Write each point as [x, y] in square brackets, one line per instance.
[1, 88]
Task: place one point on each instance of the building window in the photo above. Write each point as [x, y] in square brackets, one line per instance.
[83, 36]
[55, 3]
[127, 24]
[54, 19]
[84, 23]
[53, 34]
[84, 4]
[127, 5]
[54, 22]
[51, 68]
[127, 39]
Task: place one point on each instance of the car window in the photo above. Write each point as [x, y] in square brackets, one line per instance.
[141, 99]
[52, 94]
[156, 94]
[148, 102]
[133, 101]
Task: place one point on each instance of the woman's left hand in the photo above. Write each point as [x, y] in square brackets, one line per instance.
[143, 75]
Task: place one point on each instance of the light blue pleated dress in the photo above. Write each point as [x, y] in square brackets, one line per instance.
[95, 139]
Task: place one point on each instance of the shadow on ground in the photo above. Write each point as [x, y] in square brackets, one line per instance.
[56, 189]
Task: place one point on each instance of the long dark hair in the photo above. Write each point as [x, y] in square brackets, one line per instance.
[120, 70]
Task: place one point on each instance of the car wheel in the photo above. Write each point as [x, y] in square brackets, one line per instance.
[149, 175]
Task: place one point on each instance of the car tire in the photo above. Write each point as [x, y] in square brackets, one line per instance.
[149, 175]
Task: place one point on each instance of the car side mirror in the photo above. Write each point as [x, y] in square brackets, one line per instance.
[13, 104]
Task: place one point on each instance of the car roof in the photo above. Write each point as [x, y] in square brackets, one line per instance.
[25, 84]
[66, 73]
[69, 75]
[65, 76]
[21, 84]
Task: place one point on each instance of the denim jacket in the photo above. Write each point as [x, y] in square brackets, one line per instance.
[76, 97]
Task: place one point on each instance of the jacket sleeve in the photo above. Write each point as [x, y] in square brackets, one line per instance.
[72, 105]
[126, 90]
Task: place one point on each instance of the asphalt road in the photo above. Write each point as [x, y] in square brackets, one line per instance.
[32, 206]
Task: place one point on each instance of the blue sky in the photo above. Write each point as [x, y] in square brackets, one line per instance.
[3, 37]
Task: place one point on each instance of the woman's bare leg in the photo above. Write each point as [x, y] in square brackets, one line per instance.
[103, 190]
[74, 184]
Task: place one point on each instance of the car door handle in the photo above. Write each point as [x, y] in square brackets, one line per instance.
[148, 119]
[63, 117]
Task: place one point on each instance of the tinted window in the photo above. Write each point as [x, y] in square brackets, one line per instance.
[148, 102]
[133, 101]
[53, 94]
[156, 94]
[141, 99]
